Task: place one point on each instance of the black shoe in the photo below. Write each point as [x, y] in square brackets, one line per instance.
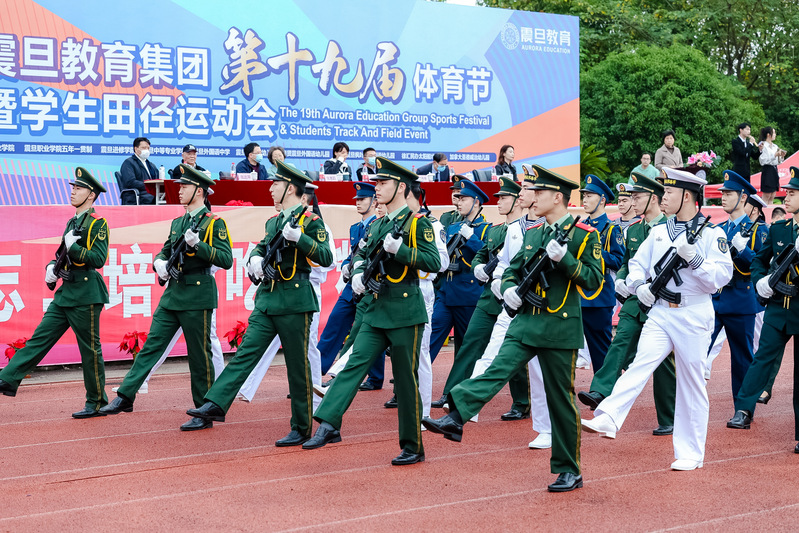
[796, 449]
[209, 411]
[323, 436]
[444, 426]
[391, 380]
[368, 385]
[764, 399]
[566, 482]
[408, 458]
[392, 403]
[741, 420]
[591, 399]
[292, 439]
[88, 412]
[6, 389]
[438, 404]
[117, 405]
[288, 396]
[515, 414]
[196, 424]
[663, 430]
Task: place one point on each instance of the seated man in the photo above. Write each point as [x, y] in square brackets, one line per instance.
[438, 168]
[252, 162]
[368, 167]
[135, 170]
[189, 159]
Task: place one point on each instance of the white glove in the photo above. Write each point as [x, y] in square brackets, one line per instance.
[255, 266]
[645, 296]
[763, 288]
[345, 270]
[621, 288]
[392, 245]
[362, 244]
[480, 273]
[496, 288]
[466, 231]
[555, 250]
[192, 238]
[357, 283]
[685, 250]
[70, 239]
[739, 242]
[511, 298]
[160, 268]
[49, 276]
[796, 244]
[291, 234]
[357, 264]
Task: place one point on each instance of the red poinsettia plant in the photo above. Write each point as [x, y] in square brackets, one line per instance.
[14, 346]
[235, 335]
[133, 342]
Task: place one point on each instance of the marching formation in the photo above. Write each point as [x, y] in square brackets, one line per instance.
[523, 297]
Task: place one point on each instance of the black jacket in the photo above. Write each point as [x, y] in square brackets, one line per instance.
[742, 152]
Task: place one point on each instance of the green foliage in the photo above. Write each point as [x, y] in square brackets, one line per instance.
[592, 162]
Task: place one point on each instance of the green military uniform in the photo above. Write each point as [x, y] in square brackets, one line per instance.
[188, 302]
[395, 317]
[631, 322]
[76, 304]
[553, 334]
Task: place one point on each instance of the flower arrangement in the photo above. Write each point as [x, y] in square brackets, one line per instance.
[239, 203]
[703, 159]
[14, 346]
[235, 335]
[133, 342]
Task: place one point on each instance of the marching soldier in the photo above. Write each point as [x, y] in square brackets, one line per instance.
[189, 299]
[77, 302]
[452, 216]
[284, 305]
[395, 317]
[646, 195]
[626, 210]
[552, 332]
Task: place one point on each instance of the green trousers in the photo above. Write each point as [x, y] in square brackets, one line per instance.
[85, 323]
[405, 344]
[196, 326]
[621, 353]
[293, 330]
[557, 367]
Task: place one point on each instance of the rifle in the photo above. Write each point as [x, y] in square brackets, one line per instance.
[537, 275]
[274, 252]
[786, 266]
[491, 264]
[457, 241]
[354, 252]
[62, 264]
[175, 262]
[668, 268]
[375, 271]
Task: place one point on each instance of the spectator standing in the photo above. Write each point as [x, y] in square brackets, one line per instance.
[668, 155]
[338, 163]
[744, 148]
[136, 169]
[438, 168]
[252, 162]
[770, 156]
[504, 164]
[646, 167]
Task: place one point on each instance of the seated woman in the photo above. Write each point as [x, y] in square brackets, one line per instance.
[338, 163]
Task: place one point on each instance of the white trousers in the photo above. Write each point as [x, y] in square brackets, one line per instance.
[258, 373]
[539, 411]
[722, 336]
[686, 331]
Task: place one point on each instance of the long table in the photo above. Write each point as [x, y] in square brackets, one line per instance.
[329, 192]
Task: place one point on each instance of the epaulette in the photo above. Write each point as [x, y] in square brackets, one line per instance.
[98, 217]
[310, 214]
[537, 225]
[586, 227]
[418, 215]
[636, 222]
[209, 214]
[273, 216]
[783, 221]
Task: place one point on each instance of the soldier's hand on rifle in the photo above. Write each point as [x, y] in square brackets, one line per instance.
[362, 244]
[685, 250]
[392, 245]
[739, 242]
[496, 288]
[160, 268]
[255, 266]
[49, 275]
[192, 238]
[345, 270]
[555, 250]
[512, 299]
[480, 273]
[466, 231]
[357, 283]
[291, 234]
[71, 238]
[796, 244]
[645, 296]
[621, 288]
[763, 288]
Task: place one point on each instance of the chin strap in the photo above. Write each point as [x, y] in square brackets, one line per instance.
[396, 188]
[84, 200]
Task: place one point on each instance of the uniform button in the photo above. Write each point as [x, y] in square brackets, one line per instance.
[296, 284]
[86, 279]
[565, 315]
[404, 294]
[198, 283]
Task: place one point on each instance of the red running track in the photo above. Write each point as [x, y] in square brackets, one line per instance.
[137, 471]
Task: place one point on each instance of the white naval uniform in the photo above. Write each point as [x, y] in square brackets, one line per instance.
[317, 277]
[686, 330]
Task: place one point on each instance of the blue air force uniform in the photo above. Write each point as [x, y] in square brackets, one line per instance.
[597, 307]
[459, 290]
[736, 303]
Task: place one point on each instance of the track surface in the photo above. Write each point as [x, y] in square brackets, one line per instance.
[136, 471]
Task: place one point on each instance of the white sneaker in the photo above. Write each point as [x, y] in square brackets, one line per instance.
[145, 388]
[686, 464]
[114, 389]
[242, 398]
[582, 362]
[601, 424]
[541, 442]
[474, 418]
[424, 428]
[320, 390]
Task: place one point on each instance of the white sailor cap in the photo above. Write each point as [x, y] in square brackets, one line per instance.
[756, 201]
[682, 180]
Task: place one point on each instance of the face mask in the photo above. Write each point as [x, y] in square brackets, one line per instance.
[259, 158]
[442, 168]
[372, 160]
[144, 154]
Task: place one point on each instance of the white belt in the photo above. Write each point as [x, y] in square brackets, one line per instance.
[685, 301]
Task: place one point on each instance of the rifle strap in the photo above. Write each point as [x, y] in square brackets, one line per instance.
[294, 262]
[412, 244]
[602, 283]
[89, 240]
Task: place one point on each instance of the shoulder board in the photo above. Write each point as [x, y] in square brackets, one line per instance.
[636, 222]
[310, 214]
[98, 217]
[418, 215]
[783, 222]
[431, 218]
[537, 225]
[209, 214]
[273, 216]
[586, 227]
